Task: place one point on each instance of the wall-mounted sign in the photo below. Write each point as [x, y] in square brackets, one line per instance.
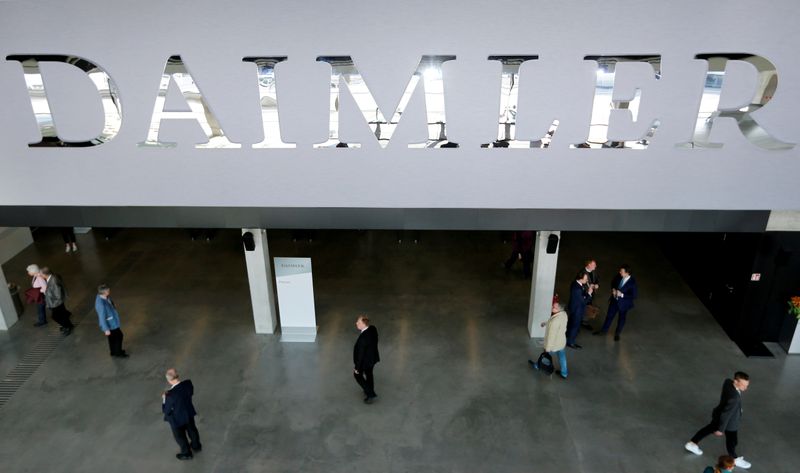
[296, 299]
[441, 104]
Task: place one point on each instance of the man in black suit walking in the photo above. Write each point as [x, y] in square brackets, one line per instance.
[176, 403]
[725, 418]
[365, 355]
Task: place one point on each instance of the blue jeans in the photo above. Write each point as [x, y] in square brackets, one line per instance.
[42, 313]
[562, 360]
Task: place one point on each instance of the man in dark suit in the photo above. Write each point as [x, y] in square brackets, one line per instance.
[579, 296]
[593, 282]
[365, 355]
[725, 418]
[623, 292]
[176, 403]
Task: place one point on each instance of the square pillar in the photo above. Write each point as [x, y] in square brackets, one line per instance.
[259, 275]
[8, 313]
[543, 283]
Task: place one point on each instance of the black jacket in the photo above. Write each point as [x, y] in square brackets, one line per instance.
[579, 298]
[365, 351]
[178, 408]
[728, 412]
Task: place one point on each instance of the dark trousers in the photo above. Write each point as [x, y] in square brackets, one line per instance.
[613, 308]
[180, 434]
[61, 315]
[41, 312]
[731, 437]
[573, 327]
[68, 234]
[365, 379]
[527, 261]
[115, 342]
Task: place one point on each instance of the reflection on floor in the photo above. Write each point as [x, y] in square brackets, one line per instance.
[456, 393]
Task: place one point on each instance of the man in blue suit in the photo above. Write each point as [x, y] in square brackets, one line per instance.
[623, 292]
[108, 318]
[580, 295]
[176, 403]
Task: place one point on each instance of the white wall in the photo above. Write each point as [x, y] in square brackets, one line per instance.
[12, 241]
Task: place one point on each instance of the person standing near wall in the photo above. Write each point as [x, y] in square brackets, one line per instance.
[725, 418]
[108, 318]
[55, 296]
[68, 234]
[38, 288]
[522, 250]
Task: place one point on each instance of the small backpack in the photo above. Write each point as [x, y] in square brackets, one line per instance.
[545, 363]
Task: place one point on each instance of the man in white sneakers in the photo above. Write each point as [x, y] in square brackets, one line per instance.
[725, 418]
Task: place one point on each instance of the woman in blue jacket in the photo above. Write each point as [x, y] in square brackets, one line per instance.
[108, 318]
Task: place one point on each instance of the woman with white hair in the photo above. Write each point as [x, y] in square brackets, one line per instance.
[40, 283]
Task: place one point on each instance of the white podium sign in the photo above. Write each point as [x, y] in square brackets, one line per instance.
[296, 299]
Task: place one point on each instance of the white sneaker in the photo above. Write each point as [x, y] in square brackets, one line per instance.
[742, 463]
[692, 447]
[74, 247]
[67, 249]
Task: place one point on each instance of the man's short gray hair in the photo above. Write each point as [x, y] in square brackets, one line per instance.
[33, 268]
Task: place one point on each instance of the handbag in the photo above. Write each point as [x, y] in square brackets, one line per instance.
[591, 312]
[34, 296]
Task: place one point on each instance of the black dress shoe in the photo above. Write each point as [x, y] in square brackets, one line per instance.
[67, 331]
[616, 338]
[121, 355]
[39, 324]
[369, 400]
[197, 449]
[574, 346]
[184, 456]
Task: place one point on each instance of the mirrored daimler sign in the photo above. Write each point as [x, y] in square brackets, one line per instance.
[176, 71]
[767, 83]
[509, 101]
[109, 97]
[609, 104]
[606, 103]
[429, 71]
[268, 98]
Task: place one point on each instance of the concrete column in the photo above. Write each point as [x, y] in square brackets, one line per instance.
[259, 274]
[543, 283]
[8, 313]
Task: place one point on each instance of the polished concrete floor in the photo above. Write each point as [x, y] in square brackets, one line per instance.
[456, 393]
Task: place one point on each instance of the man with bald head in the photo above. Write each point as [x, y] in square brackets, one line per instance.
[176, 403]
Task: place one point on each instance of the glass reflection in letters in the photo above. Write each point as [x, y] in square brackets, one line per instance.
[429, 71]
[268, 97]
[109, 97]
[176, 70]
[604, 103]
[709, 111]
[509, 101]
